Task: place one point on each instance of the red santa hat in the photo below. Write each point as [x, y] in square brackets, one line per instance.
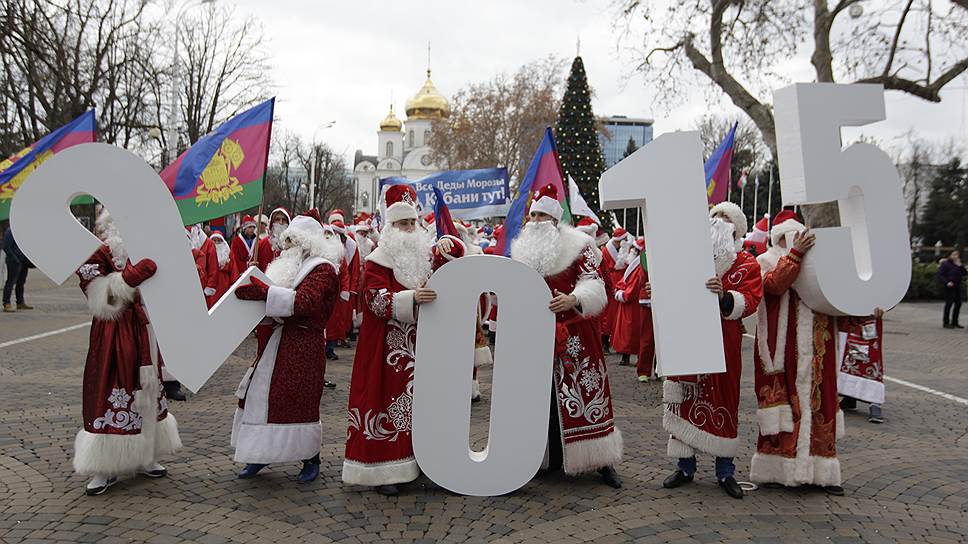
[785, 222]
[639, 244]
[283, 211]
[247, 222]
[601, 237]
[401, 203]
[338, 225]
[314, 213]
[735, 215]
[334, 216]
[262, 219]
[619, 233]
[546, 201]
[428, 219]
[362, 218]
[761, 230]
[588, 226]
[217, 234]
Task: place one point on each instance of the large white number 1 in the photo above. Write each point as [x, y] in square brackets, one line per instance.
[521, 390]
[866, 262]
[665, 178]
[193, 341]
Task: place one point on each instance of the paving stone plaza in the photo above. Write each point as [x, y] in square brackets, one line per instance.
[905, 480]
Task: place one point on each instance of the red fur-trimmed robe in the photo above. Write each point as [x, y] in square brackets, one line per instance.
[608, 269]
[646, 361]
[796, 383]
[266, 254]
[628, 319]
[242, 253]
[591, 439]
[379, 444]
[277, 419]
[127, 426]
[341, 321]
[701, 412]
[216, 277]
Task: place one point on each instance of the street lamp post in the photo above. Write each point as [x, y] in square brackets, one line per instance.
[312, 163]
[175, 83]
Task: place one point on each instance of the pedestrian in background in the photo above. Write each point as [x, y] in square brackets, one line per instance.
[951, 274]
[17, 267]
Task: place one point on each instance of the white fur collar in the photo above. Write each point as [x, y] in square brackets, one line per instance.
[631, 268]
[308, 266]
[382, 258]
[573, 242]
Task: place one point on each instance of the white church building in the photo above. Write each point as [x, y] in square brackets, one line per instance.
[403, 148]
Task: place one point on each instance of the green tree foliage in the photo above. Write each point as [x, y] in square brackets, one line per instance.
[945, 218]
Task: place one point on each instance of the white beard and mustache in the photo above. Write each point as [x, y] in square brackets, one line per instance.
[538, 246]
[112, 238]
[724, 245]
[410, 254]
[284, 268]
[222, 253]
[275, 235]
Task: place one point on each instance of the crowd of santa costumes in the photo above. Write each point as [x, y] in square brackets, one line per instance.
[333, 283]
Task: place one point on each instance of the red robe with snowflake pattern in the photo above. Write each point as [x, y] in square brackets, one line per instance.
[379, 444]
[702, 412]
[127, 426]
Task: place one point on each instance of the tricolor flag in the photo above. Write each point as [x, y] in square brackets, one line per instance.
[717, 169]
[545, 168]
[15, 170]
[442, 219]
[223, 172]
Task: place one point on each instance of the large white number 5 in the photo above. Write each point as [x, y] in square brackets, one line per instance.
[866, 262]
[665, 178]
[521, 390]
[148, 220]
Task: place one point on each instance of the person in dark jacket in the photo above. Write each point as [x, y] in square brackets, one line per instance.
[17, 266]
[951, 274]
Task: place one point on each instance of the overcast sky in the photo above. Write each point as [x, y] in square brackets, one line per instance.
[340, 60]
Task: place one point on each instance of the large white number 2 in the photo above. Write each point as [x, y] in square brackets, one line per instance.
[193, 341]
[666, 179]
[521, 390]
[866, 262]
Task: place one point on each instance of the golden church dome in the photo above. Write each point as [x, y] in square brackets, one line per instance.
[391, 123]
[428, 103]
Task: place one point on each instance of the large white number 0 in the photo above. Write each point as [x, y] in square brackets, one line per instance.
[521, 390]
[149, 222]
[665, 178]
[866, 262]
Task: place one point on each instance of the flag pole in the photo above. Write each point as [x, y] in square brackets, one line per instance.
[258, 230]
[769, 200]
[756, 192]
[742, 200]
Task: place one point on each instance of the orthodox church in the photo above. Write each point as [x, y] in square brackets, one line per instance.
[403, 148]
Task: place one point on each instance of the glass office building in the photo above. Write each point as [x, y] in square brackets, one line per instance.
[618, 130]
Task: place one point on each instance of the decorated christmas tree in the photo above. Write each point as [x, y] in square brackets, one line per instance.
[576, 133]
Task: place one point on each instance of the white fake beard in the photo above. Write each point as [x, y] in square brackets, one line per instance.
[275, 235]
[330, 249]
[724, 245]
[112, 239]
[537, 246]
[409, 252]
[283, 269]
[222, 253]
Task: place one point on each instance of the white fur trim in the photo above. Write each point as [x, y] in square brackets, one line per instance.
[374, 474]
[447, 256]
[280, 301]
[864, 389]
[547, 205]
[784, 228]
[482, 356]
[400, 210]
[678, 448]
[735, 215]
[403, 306]
[108, 296]
[109, 454]
[592, 296]
[380, 257]
[589, 455]
[276, 442]
[739, 306]
[167, 439]
[475, 389]
[672, 392]
[840, 429]
[573, 242]
[822, 471]
[775, 420]
[697, 438]
[775, 363]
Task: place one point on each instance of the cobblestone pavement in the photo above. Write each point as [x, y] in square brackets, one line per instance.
[905, 480]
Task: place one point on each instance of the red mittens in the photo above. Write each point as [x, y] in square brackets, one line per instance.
[252, 291]
[136, 274]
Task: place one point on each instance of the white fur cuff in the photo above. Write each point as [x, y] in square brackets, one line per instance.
[592, 297]
[108, 296]
[373, 474]
[403, 306]
[482, 356]
[671, 392]
[840, 430]
[775, 420]
[739, 306]
[280, 302]
[679, 449]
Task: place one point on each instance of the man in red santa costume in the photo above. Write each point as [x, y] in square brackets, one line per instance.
[127, 427]
[220, 271]
[270, 246]
[702, 412]
[755, 241]
[628, 319]
[379, 446]
[582, 436]
[796, 364]
[243, 245]
[613, 264]
[341, 321]
[482, 350]
[277, 419]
